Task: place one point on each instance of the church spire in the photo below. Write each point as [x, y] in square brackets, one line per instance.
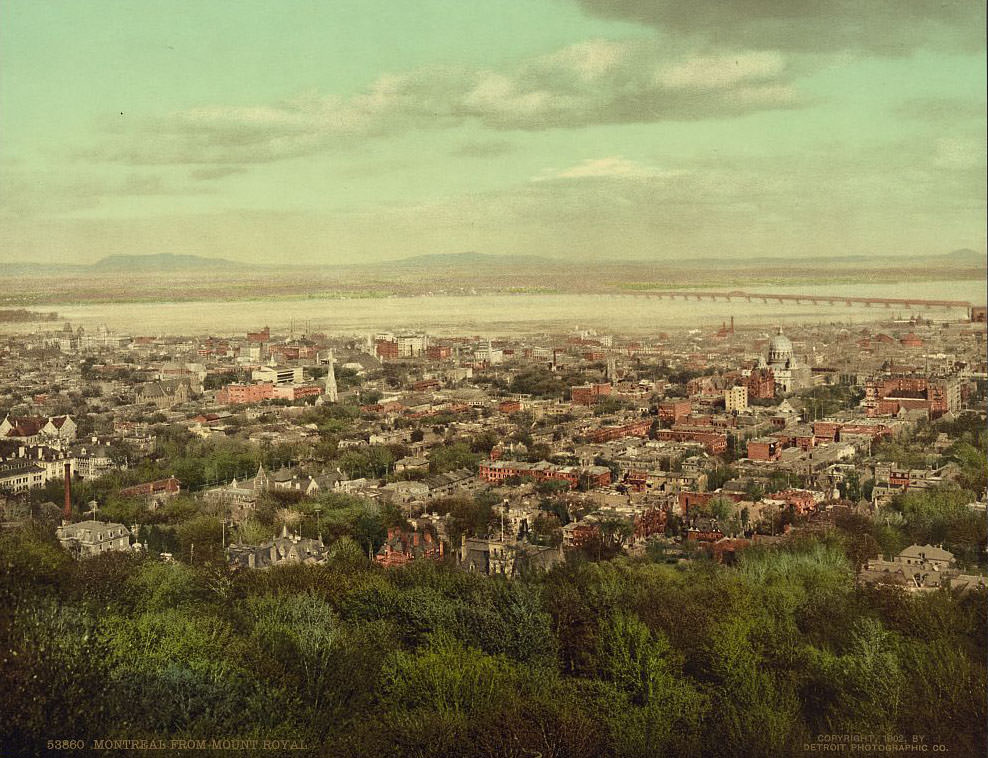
[332, 394]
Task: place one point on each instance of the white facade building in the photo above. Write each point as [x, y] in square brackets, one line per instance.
[279, 374]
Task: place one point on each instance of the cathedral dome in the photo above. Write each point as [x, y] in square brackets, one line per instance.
[779, 349]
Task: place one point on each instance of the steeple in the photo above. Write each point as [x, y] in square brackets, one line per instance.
[332, 393]
[261, 479]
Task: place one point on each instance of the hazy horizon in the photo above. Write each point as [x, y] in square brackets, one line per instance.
[327, 134]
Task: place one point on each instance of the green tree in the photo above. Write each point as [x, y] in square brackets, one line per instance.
[445, 458]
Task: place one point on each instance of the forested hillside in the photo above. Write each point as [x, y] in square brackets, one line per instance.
[622, 658]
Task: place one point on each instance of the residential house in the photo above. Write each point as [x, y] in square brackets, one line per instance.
[87, 538]
[37, 429]
[280, 550]
[401, 548]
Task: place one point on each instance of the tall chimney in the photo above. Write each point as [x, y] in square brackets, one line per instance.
[67, 508]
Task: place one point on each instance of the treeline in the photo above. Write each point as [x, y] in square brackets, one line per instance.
[625, 658]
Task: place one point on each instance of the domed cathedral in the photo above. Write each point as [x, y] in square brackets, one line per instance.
[790, 375]
[780, 351]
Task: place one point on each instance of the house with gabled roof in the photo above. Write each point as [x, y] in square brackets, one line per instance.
[280, 550]
[164, 394]
[917, 568]
[34, 429]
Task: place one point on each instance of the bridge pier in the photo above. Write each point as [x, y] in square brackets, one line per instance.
[783, 299]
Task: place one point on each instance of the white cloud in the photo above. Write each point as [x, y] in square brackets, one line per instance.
[612, 167]
[719, 72]
[594, 82]
[593, 58]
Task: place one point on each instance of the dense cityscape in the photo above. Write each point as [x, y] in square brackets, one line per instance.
[708, 541]
[521, 379]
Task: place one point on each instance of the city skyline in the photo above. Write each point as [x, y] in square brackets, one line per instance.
[371, 131]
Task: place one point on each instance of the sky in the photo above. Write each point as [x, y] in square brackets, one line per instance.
[315, 132]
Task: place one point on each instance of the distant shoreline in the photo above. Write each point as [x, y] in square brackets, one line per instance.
[48, 292]
[20, 315]
[620, 312]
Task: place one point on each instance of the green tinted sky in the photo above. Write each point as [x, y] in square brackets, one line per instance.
[344, 131]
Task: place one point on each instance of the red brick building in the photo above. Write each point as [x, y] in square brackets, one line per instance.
[286, 353]
[802, 501]
[832, 431]
[634, 429]
[509, 406]
[386, 349]
[589, 394]
[826, 431]
[886, 397]
[652, 521]
[497, 471]
[761, 384]
[401, 548]
[262, 336]
[714, 442]
[161, 489]
[245, 394]
[296, 391]
[764, 449]
[804, 441]
[674, 411]
[875, 431]
[438, 352]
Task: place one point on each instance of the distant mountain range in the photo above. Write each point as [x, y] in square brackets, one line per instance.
[173, 263]
[122, 264]
[967, 255]
[162, 262]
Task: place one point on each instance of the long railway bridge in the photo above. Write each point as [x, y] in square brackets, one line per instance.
[848, 300]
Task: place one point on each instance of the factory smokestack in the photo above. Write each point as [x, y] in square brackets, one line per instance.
[67, 508]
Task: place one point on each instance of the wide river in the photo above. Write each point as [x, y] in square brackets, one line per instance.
[504, 314]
